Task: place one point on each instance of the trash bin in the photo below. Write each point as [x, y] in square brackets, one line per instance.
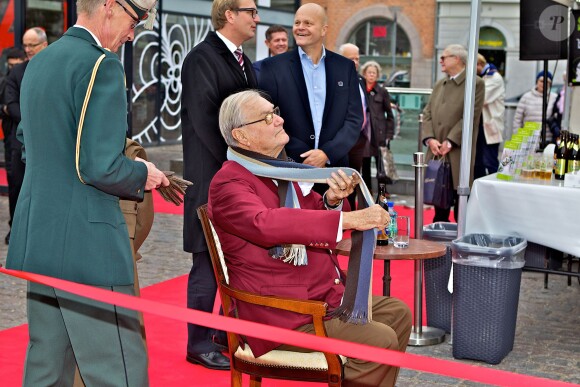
[487, 272]
[436, 273]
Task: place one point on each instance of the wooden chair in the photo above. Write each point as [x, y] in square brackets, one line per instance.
[276, 364]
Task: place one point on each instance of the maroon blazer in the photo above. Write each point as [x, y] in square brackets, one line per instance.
[246, 214]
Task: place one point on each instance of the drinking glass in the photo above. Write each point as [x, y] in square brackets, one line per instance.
[401, 241]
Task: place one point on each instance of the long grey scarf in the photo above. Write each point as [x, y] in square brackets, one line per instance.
[354, 307]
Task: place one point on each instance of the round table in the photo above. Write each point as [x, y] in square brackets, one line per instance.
[418, 251]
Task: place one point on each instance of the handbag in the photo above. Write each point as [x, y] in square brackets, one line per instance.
[438, 185]
[386, 171]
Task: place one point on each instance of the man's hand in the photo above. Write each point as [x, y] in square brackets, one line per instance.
[315, 157]
[155, 178]
[445, 148]
[371, 217]
[340, 186]
[434, 146]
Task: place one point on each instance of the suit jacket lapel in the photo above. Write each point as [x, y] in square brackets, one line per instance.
[331, 84]
[229, 58]
[298, 74]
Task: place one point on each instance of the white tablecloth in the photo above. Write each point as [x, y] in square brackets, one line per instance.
[545, 213]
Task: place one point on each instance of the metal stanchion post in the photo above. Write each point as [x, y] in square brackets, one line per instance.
[421, 335]
[419, 144]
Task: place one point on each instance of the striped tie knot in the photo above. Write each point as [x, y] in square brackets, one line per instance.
[240, 57]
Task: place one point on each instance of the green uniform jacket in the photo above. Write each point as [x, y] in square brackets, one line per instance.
[62, 227]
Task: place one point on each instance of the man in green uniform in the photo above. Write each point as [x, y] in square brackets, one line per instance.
[68, 223]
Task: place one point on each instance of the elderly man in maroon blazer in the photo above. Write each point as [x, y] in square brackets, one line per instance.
[249, 220]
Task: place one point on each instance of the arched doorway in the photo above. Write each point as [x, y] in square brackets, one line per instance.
[384, 41]
[492, 45]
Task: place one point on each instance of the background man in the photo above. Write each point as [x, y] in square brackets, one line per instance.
[277, 43]
[443, 118]
[245, 210]
[68, 209]
[34, 40]
[317, 92]
[378, 124]
[492, 119]
[14, 56]
[213, 69]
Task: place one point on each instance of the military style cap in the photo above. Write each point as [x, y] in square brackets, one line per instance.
[144, 14]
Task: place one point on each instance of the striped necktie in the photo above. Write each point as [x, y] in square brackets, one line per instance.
[240, 57]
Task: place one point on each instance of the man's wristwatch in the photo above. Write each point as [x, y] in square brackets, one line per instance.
[328, 205]
[449, 146]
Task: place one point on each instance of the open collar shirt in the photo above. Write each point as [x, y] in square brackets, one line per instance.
[315, 79]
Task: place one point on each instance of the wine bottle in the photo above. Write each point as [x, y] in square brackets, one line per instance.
[560, 153]
[382, 235]
[574, 155]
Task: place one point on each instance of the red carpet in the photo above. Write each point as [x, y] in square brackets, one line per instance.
[167, 338]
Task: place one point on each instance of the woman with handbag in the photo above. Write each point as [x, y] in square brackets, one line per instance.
[382, 126]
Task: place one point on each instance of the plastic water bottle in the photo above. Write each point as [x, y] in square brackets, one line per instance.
[393, 224]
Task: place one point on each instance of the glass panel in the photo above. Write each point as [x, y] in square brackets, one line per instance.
[48, 14]
[278, 5]
[179, 34]
[407, 104]
[375, 40]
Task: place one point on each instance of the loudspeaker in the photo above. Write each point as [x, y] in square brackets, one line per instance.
[543, 30]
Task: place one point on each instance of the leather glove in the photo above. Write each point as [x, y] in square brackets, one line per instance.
[175, 191]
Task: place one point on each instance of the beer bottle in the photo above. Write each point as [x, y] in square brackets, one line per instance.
[560, 155]
[574, 155]
[382, 235]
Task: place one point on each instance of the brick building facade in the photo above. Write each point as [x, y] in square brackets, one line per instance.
[415, 21]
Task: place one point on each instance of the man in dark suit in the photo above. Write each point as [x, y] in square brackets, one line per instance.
[213, 69]
[246, 212]
[34, 40]
[68, 223]
[318, 94]
[14, 56]
[277, 43]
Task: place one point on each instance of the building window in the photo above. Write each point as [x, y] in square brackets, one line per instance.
[377, 40]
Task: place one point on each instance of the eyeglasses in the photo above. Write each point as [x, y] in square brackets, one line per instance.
[137, 21]
[253, 11]
[269, 118]
[443, 57]
[32, 45]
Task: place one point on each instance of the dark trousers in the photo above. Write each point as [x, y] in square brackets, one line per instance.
[201, 291]
[486, 156]
[360, 163]
[442, 214]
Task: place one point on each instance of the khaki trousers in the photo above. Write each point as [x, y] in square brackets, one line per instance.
[390, 329]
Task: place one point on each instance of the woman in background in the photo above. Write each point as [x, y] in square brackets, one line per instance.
[380, 117]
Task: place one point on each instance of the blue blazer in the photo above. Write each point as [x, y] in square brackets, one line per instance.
[282, 78]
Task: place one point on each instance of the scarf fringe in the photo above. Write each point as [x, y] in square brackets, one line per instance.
[346, 314]
[294, 254]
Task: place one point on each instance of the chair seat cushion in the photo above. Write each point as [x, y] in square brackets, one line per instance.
[286, 359]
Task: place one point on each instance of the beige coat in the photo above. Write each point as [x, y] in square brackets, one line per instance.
[443, 119]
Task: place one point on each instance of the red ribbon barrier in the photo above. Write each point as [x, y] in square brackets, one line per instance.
[317, 343]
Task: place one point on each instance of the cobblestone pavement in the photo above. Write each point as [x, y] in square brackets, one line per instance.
[547, 342]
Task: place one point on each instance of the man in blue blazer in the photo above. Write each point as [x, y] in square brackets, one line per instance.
[317, 92]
